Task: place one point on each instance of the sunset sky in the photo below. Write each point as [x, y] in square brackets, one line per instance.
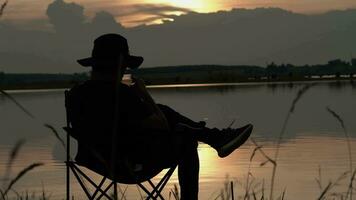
[49, 35]
[134, 12]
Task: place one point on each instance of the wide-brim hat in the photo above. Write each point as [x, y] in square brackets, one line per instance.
[107, 50]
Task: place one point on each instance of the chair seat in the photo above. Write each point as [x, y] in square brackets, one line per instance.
[122, 173]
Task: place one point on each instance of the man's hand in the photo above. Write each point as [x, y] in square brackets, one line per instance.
[139, 88]
[139, 84]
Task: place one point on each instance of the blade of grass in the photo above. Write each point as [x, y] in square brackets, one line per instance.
[13, 154]
[123, 193]
[259, 148]
[139, 192]
[21, 174]
[17, 103]
[15, 150]
[283, 194]
[326, 189]
[299, 95]
[176, 192]
[3, 6]
[28, 113]
[342, 124]
[333, 184]
[2, 194]
[55, 132]
[350, 188]
[263, 189]
[254, 195]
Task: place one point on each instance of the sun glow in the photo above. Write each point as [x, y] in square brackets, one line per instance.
[194, 5]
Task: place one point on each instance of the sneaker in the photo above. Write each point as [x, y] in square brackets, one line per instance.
[230, 139]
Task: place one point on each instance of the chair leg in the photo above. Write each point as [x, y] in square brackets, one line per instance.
[157, 189]
[67, 180]
[147, 192]
[154, 191]
[115, 191]
[154, 194]
[81, 183]
[103, 193]
[98, 188]
[165, 180]
[92, 182]
[143, 188]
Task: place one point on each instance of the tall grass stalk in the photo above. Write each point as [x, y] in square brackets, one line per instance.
[15, 150]
[7, 95]
[29, 114]
[299, 95]
[247, 188]
[55, 132]
[174, 192]
[13, 154]
[323, 193]
[342, 124]
[2, 7]
[319, 180]
[139, 192]
[249, 174]
[20, 175]
[331, 184]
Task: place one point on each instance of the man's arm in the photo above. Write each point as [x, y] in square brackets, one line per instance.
[157, 119]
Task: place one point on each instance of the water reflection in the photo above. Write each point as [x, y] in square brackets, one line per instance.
[313, 136]
[223, 88]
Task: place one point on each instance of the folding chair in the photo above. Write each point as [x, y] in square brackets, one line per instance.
[102, 188]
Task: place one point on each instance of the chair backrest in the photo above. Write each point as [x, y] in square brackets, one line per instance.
[70, 110]
[85, 157]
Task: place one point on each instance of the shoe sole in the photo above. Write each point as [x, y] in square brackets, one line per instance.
[228, 148]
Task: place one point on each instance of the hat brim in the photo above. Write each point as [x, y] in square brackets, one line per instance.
[132, 62]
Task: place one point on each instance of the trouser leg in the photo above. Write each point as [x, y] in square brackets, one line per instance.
[174, 117]
[188, 171]
[188, 158]
[198, 130]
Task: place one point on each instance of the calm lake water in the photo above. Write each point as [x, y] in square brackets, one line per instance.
[313, 138]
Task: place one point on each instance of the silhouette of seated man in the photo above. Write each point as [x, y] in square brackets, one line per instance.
[149, 136]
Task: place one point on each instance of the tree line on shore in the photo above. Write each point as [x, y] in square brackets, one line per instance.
[195, 74]
[221, 73]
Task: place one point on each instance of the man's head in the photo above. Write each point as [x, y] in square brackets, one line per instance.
[111, 52]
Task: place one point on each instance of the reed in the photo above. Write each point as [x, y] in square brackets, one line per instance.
[2, 7]
[269, 159]
[299, 95]
[332, 184]
[174, 193]
[15, 150]
[29, 114]
[348, 142]
[56, 134]
[12, 156]
[11, 98]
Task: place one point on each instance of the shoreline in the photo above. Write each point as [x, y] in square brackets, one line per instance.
[62, 87]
